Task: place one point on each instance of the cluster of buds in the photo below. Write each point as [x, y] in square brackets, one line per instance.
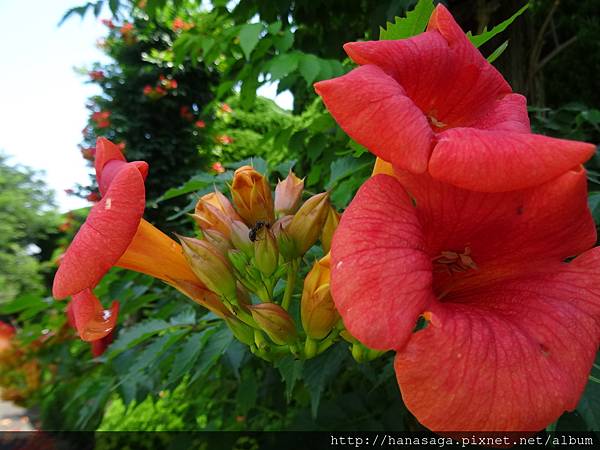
[162, 88]
[250, 253]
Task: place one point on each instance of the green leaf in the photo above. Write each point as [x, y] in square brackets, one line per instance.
[114, 6]
[274, 27]
[309, 67]
[496, 53]
[187, 354]
[249, 37]
[319, 371]
[211, 353]
[193, 184]
[414, 23]
[135, 335]
[589, 405]
[344, 167]
[594, 205]
[482, 38]
[247, 393]
[291, 371]
[284, 41]
[281, 65]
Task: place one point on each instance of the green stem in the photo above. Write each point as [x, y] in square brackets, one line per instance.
[291, 283]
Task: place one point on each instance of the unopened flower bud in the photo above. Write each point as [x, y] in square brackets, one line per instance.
[242, 332]
[317, 309]
[275, 321]
[210, 266]
[288, 194]
[215, 212]
[307, 223]
[331, 223]
[217, 239]
[239, 260]
[240, 237]
[266, 253]
[252, 196]
[284, 241]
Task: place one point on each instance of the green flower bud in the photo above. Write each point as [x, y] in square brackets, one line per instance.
[275, 321]
[210, 266]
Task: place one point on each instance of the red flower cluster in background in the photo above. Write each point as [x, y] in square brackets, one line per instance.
[101, 119]
[162, 87]
[464, 230]
[96, 75]
[224, 139]
[180, 24]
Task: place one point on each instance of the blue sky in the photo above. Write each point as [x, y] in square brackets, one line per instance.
[42, 98]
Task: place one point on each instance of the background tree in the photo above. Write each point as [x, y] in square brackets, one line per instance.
[28, 218]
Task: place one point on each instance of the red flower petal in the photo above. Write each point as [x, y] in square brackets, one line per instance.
[507, 114]
[381, 276]
[105, 151]
[104, 236]
[375, 111]
[440, 70]
[497, 161]
[92, 321]
[100, 346]
[507, 233]
[513, 356]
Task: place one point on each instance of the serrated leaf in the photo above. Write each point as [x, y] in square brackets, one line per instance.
[309, 67]
[193, 184]
[319, 371]
[249, 36]
[480, 39]
[344, 167]
[136, 335]
[247, 393]
[216, 346]
[187, 354]
[291, 371]
[496, 53]
[414, 23]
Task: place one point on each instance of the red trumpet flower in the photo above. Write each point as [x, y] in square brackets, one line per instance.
[115, 234]
[433, 103]
[511, 328]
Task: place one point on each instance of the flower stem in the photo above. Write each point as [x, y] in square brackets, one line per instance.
[291, 283]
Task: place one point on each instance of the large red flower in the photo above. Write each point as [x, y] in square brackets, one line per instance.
[511, 328]
[115, 234]
[433, 103]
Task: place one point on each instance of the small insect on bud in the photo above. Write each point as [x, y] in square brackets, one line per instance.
[288, 194]
[252, 196]
[275, 321]
[307, 223]
[215, 212]
[317, 309]
[331, 223]
[210, 266]
[266, 252]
